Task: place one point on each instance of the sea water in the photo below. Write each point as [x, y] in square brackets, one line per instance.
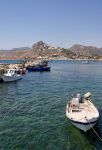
[32, 110]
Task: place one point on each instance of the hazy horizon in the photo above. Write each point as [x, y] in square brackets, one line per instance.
[22, 46]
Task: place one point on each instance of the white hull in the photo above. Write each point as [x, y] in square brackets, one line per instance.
[83, 115]
[11, 78]
[83, 127]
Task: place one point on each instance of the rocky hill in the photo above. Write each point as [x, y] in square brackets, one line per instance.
[41, 49]
[14, 54]
[86, 51]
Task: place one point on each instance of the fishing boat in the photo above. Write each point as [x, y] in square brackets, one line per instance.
[81, 112]
[11, 75]
[40, 66]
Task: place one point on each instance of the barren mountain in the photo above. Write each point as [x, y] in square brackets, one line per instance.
[86, 51]
[41, 49]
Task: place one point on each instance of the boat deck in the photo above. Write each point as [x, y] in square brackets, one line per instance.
[83, 110]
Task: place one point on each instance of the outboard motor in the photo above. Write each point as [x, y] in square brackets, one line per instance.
[87, 95]
[80, 98]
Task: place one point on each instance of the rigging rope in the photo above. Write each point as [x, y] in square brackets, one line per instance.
[94, 130]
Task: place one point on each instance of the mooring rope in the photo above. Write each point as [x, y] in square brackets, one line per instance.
[94, 130]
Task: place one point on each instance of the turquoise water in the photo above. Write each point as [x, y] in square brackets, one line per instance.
[10, 61]
[32, 110]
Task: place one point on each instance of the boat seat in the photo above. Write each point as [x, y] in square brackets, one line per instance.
[76, 110]
[75, 101]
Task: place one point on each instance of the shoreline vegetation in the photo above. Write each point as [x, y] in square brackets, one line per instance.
[41, 50]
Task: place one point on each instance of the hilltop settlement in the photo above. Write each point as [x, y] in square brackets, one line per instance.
[44, 51]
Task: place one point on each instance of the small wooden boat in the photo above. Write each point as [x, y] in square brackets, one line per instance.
[11, 75]
[81, 112]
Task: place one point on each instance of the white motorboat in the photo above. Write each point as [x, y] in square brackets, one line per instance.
[81, 112]
[11, 75]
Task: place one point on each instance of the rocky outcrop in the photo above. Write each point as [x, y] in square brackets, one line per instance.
[41, 49]
[39, 46]
[86, 51]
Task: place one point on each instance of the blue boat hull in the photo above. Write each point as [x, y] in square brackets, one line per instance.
[38, 68]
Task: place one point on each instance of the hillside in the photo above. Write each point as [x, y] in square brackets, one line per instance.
[41, 49]
[86, 51]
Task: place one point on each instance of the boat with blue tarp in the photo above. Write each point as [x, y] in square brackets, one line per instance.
[31, 68]
[40, 66]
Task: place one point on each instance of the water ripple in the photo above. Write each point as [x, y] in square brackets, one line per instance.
[32, 110]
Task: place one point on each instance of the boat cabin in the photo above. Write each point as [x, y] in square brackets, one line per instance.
[10, 71]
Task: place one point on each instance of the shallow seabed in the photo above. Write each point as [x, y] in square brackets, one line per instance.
[32, 110]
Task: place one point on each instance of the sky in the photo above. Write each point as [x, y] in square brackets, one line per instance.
[56, 22]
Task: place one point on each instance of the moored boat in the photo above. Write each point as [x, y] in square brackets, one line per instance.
[11, 75]
[81, 112]
[40, 66]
